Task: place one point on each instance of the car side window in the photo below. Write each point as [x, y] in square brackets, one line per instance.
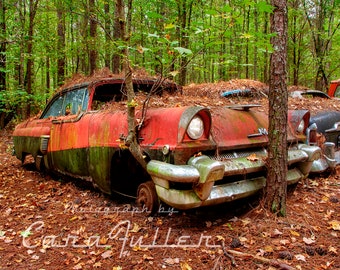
[75, 101]
[70, 102]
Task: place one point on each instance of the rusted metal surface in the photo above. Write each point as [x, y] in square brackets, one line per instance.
[334, 87]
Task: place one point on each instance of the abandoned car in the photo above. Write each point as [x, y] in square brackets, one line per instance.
[195, 156]
[328, 124]
[334, 89]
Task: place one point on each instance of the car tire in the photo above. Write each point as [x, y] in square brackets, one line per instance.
[147, 197]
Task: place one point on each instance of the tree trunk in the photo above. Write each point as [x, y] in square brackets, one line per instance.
[256, 23]
[61, 44]
[276, 189]
[247, 26]
[117, 35]
[131, 139]
[48, 76]
[107, 28]
[83, 54]
[265, 57]
[29, 64]
[3, 43]
[184, 17]
[93, 37]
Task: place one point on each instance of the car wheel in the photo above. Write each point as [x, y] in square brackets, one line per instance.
[147, 197]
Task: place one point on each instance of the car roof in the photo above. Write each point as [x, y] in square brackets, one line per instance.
[163, 84]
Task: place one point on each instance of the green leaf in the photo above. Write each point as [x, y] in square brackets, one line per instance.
[25, 233]
[169, 26]
[183, 51]
[154, 15]
[227, 8]
[263, 6]
[246, 35]
[211, 12]
[153, 35]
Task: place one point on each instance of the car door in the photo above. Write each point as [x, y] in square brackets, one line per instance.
[68, 145]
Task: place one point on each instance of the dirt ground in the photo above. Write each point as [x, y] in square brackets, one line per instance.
[52, 223]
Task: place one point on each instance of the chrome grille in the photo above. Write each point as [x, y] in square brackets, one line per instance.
[238, 154]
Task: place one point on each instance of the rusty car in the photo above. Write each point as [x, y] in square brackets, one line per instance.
[327, 123]
[195, 156]
[334, 89]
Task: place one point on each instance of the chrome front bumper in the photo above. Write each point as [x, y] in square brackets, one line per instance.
[205, 174]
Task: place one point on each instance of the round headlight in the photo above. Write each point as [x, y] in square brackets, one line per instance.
[301, 127]
[196, 128]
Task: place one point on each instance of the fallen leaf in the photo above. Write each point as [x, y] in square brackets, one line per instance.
[208, 224]
[78, 266]
[333, 250]
[159, 222]
[313, 183]
[220, 238]
[284, 242]
[107, 254]
[261, 252]
[300, 257]
[308, 241]
[73, 218]
[171, 261]
[294, 233]
[329, 214]
[268, 249]
[8, 211]
[35, 257]
[335, 225]
[103, 240]
[325, 199]
[136, 228]
[136, 248]
[147, 257]
[246, 221]
[234, 219]
[243, 239]
[185, 266]
[97, 265]
[277, 232]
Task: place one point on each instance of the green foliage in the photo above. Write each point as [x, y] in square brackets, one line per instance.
[216, 40]
[12, 101]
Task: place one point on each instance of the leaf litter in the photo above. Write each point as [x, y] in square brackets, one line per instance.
[51, 223]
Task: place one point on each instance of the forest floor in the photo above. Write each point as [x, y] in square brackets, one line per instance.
[52, 223]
